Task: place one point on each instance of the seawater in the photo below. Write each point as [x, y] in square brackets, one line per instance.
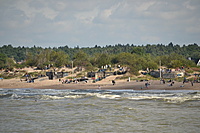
[99, 111]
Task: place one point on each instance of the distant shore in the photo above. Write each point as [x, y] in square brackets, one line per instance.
[104, 85]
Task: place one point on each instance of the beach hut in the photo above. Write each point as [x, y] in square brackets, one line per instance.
[50, 75]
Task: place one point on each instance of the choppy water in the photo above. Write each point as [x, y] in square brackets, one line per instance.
[48, 110]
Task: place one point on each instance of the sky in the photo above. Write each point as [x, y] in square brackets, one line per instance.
[86, 23]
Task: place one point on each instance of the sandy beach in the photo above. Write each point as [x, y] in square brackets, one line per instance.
[106, 84]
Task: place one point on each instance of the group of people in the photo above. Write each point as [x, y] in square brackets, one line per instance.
[66, 81]
[172, 82]
[185, 80]
[29, 80]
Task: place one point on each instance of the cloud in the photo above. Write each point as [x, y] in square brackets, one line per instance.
[89, 22]
[31, 8]
[144, 6]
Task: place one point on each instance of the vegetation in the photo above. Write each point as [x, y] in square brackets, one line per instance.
[132, 56]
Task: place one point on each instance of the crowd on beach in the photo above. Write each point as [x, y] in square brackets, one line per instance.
[147, 83]
[101, 79]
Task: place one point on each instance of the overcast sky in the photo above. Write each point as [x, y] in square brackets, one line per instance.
[86, 23]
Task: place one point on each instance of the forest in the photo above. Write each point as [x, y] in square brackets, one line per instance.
[136, 57]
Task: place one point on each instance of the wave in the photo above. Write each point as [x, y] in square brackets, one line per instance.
[51, 94]
[5, 95]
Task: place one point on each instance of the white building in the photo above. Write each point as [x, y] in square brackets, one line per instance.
[198, 63]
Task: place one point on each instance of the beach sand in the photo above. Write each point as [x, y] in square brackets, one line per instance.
[106, 84]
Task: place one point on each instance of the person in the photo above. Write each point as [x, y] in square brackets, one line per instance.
[99, 87]
[113, 82]
[192, 83]
[182, 85]
[163, 81]
[146, 84]
[184, 80]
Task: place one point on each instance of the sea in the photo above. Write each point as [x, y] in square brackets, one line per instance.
[99, 111]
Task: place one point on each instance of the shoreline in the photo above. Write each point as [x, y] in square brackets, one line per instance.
[102, 85]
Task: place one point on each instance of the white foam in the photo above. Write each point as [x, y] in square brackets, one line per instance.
[73, 96]
[108, 96]
[15, 96]
[104, 96]
[47, 97]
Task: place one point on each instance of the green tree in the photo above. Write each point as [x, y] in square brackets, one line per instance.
[10, 63]
[195, 56]
[123, 59]
[3, 58]
[31, 59]
[82, 59]
[103, 59]
[151, 65]
[175, 63]
[47, 57]
[138, 50]
[43, 59]
[138, 57]
[59, 58]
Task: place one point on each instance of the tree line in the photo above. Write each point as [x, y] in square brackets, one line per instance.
[132, 56]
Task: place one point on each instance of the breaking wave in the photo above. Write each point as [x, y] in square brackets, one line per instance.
[51, 94]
